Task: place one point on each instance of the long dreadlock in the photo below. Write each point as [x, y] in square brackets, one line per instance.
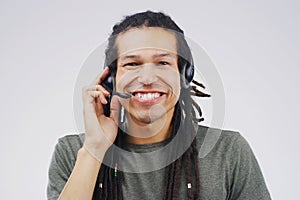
[109, 184]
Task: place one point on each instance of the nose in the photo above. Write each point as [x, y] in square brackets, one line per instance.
[147, 74]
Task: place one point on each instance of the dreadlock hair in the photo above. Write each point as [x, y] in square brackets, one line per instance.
[108, 185]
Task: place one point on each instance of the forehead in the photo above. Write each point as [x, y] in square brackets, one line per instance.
[145, 38]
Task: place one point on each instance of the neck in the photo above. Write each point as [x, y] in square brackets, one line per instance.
[147, 133]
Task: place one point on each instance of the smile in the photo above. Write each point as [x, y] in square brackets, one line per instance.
[145, 96]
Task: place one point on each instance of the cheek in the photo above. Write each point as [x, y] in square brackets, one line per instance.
[122, 79]
[119, 74]
[176, 88]
[172, 78]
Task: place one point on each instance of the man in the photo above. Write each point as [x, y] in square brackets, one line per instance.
[147, 108]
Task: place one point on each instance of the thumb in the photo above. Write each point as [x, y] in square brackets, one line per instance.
[114, 108]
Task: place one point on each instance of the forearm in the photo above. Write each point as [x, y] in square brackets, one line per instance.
[82, 180]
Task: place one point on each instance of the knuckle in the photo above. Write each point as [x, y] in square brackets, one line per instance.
[85, 88]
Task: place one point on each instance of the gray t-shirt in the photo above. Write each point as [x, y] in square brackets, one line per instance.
[229, 170]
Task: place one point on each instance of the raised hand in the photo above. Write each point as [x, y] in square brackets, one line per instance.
[101, 131]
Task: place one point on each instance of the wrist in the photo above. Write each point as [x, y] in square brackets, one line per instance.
[97, 153]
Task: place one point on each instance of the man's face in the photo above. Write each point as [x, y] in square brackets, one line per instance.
[147, 68]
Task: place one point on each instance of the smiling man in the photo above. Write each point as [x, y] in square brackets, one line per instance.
[142, 134]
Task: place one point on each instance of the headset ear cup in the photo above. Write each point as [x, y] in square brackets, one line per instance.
[108, 82]
[189, 74]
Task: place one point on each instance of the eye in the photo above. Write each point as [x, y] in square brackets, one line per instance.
[163, 63]
[131, 64]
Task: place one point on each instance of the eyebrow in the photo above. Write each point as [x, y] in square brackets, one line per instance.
[154, 56]
[164, 55]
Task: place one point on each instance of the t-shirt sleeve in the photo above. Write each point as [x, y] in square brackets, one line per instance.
[247, 179]
[61, 165]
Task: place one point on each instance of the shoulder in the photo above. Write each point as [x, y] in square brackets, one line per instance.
[215, 140]
[72, 140]
[204, 131]
[62, 163]
[68, 145]
[226, 155]
[65, 152]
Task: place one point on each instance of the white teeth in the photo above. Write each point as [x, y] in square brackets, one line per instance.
[147, 96]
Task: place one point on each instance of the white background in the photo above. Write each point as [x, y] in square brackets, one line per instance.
[254, 44]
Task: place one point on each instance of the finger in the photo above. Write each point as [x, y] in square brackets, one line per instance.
[101, 76]
[99, 108]
[92, 95]
[97, 88]
[114, 108]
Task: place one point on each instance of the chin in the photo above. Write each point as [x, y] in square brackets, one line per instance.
[147, 119]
